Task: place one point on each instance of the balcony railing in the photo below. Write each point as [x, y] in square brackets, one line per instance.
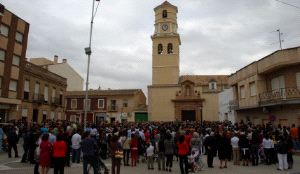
[233, 104]
[112, 108]
[55, 101]
[279, 95]
[38, 98]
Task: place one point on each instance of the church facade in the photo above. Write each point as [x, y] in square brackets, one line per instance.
[172, 97]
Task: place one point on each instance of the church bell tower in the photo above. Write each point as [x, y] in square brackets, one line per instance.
[165, 46]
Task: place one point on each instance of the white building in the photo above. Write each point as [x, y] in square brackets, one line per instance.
[226, 112]
[74, 80]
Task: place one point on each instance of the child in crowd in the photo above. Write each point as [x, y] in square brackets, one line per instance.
[150, 156]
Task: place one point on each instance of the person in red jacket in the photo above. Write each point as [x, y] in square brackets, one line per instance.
[183, 151]
[59, 154]
[134, 149]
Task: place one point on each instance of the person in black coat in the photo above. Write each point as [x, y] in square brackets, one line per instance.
[210, 144]
[12, 139]
[25, 146]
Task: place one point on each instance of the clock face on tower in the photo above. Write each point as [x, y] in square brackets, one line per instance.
[165, 27]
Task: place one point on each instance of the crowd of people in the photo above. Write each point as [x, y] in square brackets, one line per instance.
[51, 144]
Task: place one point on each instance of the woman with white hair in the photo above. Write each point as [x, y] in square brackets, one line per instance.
[196, 142]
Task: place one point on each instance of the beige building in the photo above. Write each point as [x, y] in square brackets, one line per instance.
[171, 96]
[107, 105]
[43, 95]
[64, 69]
[13, 46]
[269, 89]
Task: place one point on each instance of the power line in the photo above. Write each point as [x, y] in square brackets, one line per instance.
[288, 4]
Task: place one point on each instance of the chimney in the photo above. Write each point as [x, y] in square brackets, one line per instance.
[55, 59]
[64, 60]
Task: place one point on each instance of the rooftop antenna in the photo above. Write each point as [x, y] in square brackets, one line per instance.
[279, 37]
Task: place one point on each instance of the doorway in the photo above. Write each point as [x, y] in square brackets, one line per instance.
[35, 115]
[112, 120]
[188, 115]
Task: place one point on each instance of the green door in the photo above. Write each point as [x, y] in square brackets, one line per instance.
[141, 116]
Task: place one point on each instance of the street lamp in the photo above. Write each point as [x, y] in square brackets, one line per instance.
[88, 52]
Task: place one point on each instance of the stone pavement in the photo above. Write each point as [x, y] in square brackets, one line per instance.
[13, 166]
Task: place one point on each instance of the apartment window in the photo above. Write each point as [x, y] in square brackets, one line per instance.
[277, 83]
[100, 103]
[26, 90]
[242, 92]
[113, 104]
[165, 14]
[13, 85]
[52, 115]
[73, 118]
[298, 79]
[53, 95]
[252, 89]
[46, 92]
[16, 60]
[60, 98]
[59, 115]
[24, 112]
[36, 90]
[212, 85]
[0, 85]
[19, 37]
[88, 105]
[125, 103]
[73, 103]
[2, 55]
[4, 30]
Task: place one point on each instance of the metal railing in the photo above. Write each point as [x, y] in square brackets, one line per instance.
[38, 98]
[113, 108]
[233, 104]
[278, 95]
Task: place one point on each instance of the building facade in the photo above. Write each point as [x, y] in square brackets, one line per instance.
[64, 69]
[226, 112]
[269, 89]
[13, 46]
[107, 105]
[43, 95]
[171, 96]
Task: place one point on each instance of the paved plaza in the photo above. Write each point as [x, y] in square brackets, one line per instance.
[13, 166]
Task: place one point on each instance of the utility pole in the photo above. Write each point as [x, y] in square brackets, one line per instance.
[88, 52]
[279, 37]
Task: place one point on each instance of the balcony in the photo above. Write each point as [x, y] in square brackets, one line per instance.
[38, 98]
[233, 105]
[280, 96]
[56, 101]
[113, 108]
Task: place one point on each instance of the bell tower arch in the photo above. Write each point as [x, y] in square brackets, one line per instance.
[165, 45]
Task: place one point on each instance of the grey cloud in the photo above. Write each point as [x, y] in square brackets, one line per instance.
[218, 37]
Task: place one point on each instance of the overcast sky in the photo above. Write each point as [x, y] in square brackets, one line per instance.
[218, 36]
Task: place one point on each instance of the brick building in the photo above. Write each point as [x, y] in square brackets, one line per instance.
[107, 105]
[269, 89]
[43, 94]
[13, 45]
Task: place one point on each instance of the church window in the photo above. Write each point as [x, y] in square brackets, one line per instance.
[188, 90]
[170, 48]
[212, 85]
[160, 49]
[165, 14]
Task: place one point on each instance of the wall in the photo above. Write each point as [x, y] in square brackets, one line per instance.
[224, 108]
[161, 107]
[74, 80]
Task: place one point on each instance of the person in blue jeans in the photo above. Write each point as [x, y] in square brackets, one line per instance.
[90, 151]
[76, 150]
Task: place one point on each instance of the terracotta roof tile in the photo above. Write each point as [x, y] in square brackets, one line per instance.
[104, 92]
[204, 79]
